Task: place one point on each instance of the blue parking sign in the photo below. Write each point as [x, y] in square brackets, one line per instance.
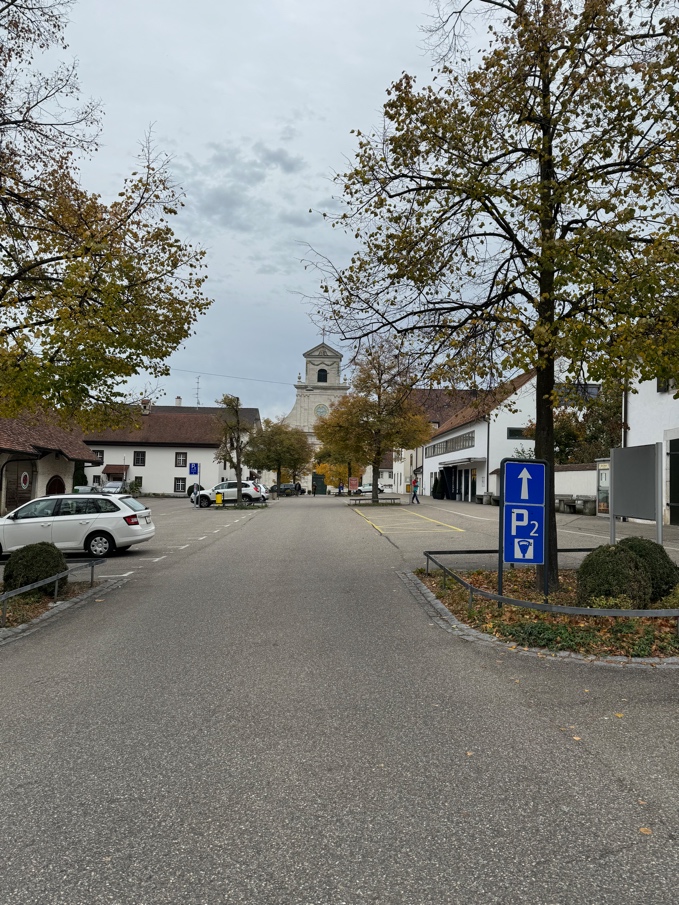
[193, 468]
[523, 501]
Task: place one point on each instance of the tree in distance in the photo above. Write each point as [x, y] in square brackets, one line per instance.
[235, 433]
[91, 293]
[377, 414]
[522, 209]
[276, 446]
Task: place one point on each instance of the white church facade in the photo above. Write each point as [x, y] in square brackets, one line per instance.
[322, 386]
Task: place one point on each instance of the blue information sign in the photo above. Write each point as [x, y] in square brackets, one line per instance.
[523, 511]
[193, 468]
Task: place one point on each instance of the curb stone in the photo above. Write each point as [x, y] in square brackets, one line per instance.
[7, 635]
[441, 616]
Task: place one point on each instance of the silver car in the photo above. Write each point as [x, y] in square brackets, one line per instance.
[77, 523]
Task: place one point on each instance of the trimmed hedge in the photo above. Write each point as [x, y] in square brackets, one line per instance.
[33, 563]
[663, 573]
[614, 571]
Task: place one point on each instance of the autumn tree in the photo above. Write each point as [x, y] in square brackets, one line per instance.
[276, 446]
[522, 208]
[91, 293]
[378, 414]
[235, 429]
[586, 427]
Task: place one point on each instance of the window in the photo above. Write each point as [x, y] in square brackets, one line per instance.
[180, 485]
[96, 479]
[77, 507]
[139, 481]
[322, 376]
[453, 444]
[180, 460]
[516, 433]
[37, 509]
[139, 457]
[662, 385]
[99, 453]
[104, 505]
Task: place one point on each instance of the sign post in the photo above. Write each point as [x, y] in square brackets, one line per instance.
[524, 524]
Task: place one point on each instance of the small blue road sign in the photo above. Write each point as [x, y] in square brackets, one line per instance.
[523, 511]
[193, 468]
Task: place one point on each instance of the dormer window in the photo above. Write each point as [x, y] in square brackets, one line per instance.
[322, 376]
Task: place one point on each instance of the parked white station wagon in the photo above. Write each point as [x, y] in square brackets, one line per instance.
[78, 522]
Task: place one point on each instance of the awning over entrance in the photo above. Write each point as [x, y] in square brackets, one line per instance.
[449, 462]
[115, 469]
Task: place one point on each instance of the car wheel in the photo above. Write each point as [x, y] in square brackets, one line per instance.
[100, 544]
[247, 497]
[204, 502]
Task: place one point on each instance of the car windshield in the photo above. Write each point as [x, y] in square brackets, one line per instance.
[131, 503]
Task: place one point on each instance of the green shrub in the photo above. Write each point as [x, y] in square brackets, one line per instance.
[33, 563]
[613, 571]
[662, 571]
[611, 603]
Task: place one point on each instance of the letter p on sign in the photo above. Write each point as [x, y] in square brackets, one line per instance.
[519, 519]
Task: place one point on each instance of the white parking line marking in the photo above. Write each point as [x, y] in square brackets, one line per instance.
[122, 575]
[479, 518]
[217, 530]
[178, 546]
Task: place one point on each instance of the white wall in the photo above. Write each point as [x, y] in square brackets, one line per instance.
[577, 483]
[495, 447]
[160, 471]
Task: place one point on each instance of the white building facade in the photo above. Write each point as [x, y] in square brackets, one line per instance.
[467, 449]
[652, 416]
[322, 386]
[170, 449]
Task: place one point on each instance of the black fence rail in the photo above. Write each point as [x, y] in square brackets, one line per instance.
[432, 556]
[52, 579]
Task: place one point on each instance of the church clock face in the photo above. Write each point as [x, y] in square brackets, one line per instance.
[321, 411]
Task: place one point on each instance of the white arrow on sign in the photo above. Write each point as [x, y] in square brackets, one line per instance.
[525, 476]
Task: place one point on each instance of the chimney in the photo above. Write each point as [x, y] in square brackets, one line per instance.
[146, 406]
[178, 400]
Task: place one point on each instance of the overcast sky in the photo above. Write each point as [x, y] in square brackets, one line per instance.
[255, 101]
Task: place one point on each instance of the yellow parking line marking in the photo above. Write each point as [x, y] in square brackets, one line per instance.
[415, 515]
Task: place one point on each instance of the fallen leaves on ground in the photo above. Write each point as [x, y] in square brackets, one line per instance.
[594, 635]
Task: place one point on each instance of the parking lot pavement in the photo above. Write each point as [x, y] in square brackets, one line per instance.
[266, 715]
[181, 530]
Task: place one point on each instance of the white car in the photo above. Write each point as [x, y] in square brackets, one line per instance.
[250, 491]
[368, 488]
[77, 523]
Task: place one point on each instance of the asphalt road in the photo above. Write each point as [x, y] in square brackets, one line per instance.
[263, 714]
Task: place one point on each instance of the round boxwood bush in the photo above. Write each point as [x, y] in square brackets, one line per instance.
[663, 572]
[33, 563]
[613, 571]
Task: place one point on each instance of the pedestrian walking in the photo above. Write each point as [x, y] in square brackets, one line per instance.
[313, 490]
[415, 486]
[298, 488]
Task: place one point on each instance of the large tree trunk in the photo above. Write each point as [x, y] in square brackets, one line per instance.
[376, 475]
[544, 449]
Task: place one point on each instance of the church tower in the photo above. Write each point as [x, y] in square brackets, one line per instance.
[321, 387]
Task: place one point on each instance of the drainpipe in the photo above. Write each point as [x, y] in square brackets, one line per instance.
[487, 420]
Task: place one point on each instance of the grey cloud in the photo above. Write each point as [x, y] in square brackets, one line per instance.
[279, 157]
[239, 188]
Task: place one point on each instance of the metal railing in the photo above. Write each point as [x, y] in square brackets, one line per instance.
[431, 557]
[39, 584]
